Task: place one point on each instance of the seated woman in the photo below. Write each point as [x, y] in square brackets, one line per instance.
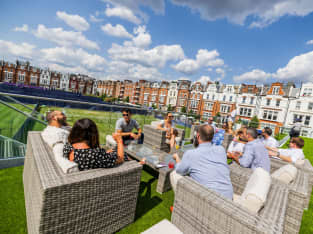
[238, 143]
[83, 147]
[168, 126]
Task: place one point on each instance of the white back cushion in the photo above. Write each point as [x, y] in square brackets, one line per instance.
[155, 123]
[285, 174]
[255, 193]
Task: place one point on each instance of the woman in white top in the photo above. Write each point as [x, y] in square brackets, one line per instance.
[168, 126]
[238, 143]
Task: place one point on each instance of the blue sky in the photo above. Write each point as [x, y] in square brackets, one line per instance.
[232, 41]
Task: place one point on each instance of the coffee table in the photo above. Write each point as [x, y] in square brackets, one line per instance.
[153, 157]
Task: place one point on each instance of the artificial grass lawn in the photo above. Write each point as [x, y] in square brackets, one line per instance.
[105, 120]
[151, 207]
[11, 121]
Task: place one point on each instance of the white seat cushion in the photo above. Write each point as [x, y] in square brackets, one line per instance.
[110, 142]
[285, 174]
[163, 227]
[255, 193]
[299, 162]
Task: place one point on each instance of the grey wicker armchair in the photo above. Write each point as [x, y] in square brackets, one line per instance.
[93, 201]
[200, 210]
[297, 196]
[157, 138]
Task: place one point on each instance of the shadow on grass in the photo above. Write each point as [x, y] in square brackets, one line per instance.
[145, 201]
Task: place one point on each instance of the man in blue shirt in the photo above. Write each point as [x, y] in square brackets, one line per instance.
[207, 164]
[255, 154]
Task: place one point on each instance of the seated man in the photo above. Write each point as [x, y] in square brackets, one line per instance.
[268, 140]
[124, 126]
[55, 133]
[211, 123]
[56, 136]
[207, 164]
[255, 154]
[293, 154]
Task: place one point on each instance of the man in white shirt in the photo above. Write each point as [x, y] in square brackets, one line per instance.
[56, 136]
[268, 140]
[293, 154]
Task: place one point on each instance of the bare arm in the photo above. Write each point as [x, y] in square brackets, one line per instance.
[120, 148]
[123, 133]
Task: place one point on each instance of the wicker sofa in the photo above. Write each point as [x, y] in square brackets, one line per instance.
[200, 210]
[93, 201]
[298, 193]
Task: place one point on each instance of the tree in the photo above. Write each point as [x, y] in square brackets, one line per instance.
[127, 99]
[254, 123]
[216, 118]
[169, 107]
[183, 109]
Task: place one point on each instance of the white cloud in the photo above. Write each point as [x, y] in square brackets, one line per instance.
[310, 42]
[158, 6]
[155, 57]
[9, 48]
[299, 68]
[116, 31]
[75, 21]
[255, 75]
[204, 58]
[24, 28]
[74, 57]
[220, 71]
[204, 79]
[264, 12]
[123, 13]
[64, 38]
[94, 19]
[143, 38]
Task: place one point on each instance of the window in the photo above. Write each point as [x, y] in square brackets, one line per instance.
[21, 77]
[307, 92]
[231, 98]
[307, 120]
[8, 75]
[251, 100]
[310, 106]
[213, 97]
[33, 80]
[244, 99]
[224, 98]
[73, 85]
[243, 111]
[161, 99]
[270, 115]
[209, 106]
[153, 98]
[268, 102]
[277, 103]
[182, 102]
[225, 108]
[275, 90]
[298, 105]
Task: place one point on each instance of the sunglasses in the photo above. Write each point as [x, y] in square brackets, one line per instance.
[170, 116]
[125, 114]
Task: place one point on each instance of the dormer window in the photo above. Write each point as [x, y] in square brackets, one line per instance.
[275, 90]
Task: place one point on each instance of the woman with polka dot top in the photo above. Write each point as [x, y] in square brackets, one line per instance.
[83, 147]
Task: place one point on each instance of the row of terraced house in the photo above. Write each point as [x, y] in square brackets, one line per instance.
[276, 105]
[22, 73]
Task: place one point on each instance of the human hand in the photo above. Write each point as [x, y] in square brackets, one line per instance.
[133, 135]
[175, 156]
[109, 151]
